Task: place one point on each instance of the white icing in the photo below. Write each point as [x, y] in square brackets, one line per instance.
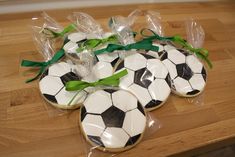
[182, 86]
[127, 80]
[176, 56]
[159, 90]
[134, 122]
[197, 82]
[168, 47]
[114, 138]
[70, 47]
[93, 125]
[141, 93]
[171, 68]
[135, 61]
[160, 47]
[156, 67]
[98, 102]
[75, 37]
[107, 57]
[153, 53]
[64, 97]
[194, 64]
[102, 70]
[124, 100]
[50, 85]
[59, 69]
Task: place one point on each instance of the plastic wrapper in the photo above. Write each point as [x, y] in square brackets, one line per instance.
[90, 37]
[110, 123]
[195, 33]
[52, 88]
[74, 45]
[122, 27]
[188, 74]
[44, 41]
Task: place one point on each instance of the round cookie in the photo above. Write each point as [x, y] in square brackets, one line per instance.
[148, 79]
[162, 48]
[112, 120]
[104, 67]
[52, 86]
[187, 73]
[73, 42]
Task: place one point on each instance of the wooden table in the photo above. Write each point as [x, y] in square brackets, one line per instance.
[29, 127]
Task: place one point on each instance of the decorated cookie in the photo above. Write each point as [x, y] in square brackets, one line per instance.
[162, 48]
[148, 79]
[112, 120]
[104, 67]
[73, 42]
[187, 73]
[52, 86]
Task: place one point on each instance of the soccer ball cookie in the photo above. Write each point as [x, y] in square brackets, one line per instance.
[73, 42]
[104, 67]
[113, 120]
[162, 48]
[52, 86]
[187, 73]
[148, 79]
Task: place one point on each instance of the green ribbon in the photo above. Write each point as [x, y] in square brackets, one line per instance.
[92, 43]
[200, 52]
[42, 65]
[108, 81]
[52, 34]
[143, 44]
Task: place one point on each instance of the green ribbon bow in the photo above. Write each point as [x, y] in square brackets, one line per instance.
[200, 52]
[52, 34]
[143, 44]
[108, 81]
[92, 43]
[43, 65]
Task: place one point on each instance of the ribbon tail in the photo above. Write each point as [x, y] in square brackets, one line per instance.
[199, 55]
[37, 76]
[27, 63]
[76, 85]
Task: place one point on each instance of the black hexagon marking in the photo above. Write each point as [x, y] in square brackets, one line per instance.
[83, 113]
[160, 53]
[50, 98]
[140, 108]
[143, 77]
[168, 80]
[96, 140]
[133, 140]
[110, 90]
[80, 42]
[148, 56]
[120, 66]
[163, 44]
[184, 71]
[203, 72]
[164, 56]
[66, 40]
[153, 103]
[185, 53]
[193, 92]
[113, 117]
[114, 62]
[69, 77]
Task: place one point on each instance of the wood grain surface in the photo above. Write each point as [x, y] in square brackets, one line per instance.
[31, 128]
